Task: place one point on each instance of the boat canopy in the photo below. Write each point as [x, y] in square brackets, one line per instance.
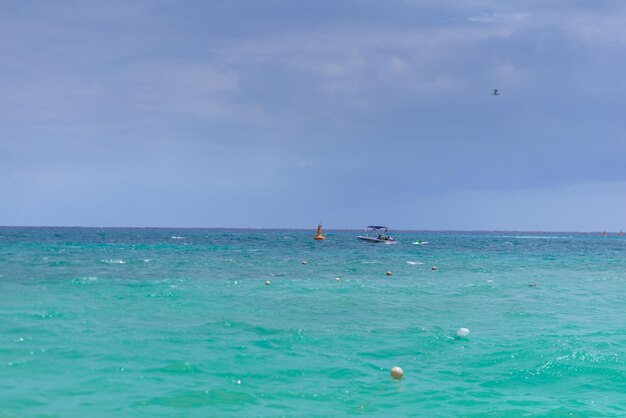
[377, 227]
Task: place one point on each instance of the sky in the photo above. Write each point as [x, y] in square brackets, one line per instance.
[282, 114]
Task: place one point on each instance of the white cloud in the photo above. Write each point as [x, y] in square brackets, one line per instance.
[398, 65]
[184, 79]
[334, 69]
[359, 60]
[336, 87]
[509, 73]
[596, 28]
[440, 83]
[500, 18]
[196, 90]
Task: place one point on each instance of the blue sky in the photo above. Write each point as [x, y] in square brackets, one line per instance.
[282, 113]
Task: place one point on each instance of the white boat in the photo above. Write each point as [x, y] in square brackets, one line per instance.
[381, 236]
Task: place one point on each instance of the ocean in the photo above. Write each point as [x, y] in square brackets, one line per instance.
[180, 322]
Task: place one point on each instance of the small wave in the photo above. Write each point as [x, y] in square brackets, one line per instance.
[176, 237]
[179, 368]
[530, 237]
[114, 261]
[147, 260]
[90, 279]
[414, 263]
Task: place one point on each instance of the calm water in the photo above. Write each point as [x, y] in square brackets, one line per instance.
[164, 322]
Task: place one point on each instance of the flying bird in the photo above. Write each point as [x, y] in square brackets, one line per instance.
[495, 92]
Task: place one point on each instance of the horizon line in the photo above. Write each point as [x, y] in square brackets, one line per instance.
[311, 229]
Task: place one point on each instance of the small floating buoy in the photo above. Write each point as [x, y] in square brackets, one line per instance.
[433, 268]
[397, 373]
[462, 332]
[388, 273]
[267, 283]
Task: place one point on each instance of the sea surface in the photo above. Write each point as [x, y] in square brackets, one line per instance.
[180, 322]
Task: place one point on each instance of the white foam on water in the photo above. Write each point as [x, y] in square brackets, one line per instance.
[90, 279]
[176, 237]
[530, 237]
[414, 263]
[114, 261]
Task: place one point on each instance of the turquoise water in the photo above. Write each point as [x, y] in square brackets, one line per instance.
[165, 322]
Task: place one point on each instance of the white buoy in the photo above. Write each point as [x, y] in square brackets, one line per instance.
[397, 373]
[463, 332]
[267, 283]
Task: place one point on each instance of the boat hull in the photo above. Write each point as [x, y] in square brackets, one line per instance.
[372, 239]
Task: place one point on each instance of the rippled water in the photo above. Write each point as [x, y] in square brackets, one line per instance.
[162, 322]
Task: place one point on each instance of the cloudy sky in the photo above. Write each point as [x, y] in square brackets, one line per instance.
[284, 113]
